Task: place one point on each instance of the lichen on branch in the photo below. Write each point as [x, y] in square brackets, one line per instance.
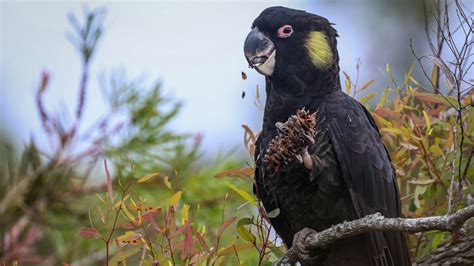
[377, 222]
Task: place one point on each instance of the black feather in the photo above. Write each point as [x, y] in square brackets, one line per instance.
[352, 174]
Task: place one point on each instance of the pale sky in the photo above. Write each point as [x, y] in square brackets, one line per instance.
[194, 48]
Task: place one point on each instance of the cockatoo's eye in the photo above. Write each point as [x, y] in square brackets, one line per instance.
[285, 31]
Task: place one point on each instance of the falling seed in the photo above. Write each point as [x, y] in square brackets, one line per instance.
[243, 94]
[244, 76]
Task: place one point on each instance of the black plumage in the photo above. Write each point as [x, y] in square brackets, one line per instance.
[352, 175]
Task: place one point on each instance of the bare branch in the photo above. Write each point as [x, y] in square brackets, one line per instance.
[377, 222]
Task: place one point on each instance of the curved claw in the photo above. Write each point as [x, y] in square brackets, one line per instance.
[306, 257]
[306, 159]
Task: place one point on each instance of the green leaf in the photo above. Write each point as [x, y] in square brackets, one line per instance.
[276, 251]
[109, 182]
[234, 248]
[245, 221]
[242, 193]
[123, 255]
[246, 234]
[421, 182]
[436, 240]
[419, 190]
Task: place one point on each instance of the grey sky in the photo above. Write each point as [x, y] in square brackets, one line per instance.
[194, 48]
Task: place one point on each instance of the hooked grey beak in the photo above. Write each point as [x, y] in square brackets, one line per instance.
[260, 52]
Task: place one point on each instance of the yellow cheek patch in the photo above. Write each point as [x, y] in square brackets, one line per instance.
[318, 49]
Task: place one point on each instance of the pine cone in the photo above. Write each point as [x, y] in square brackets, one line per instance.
[293, 136]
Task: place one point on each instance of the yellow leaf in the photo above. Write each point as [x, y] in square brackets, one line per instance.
[383, 98]
[167, 182]
[382, 120]
[387, 68]
[127, 213]
[175, 198]
[414, 81]
[147, 177]
[242, 193]
[409, 146]
[367, 97]
[434, 73]
[129, 236]
[393, 130]
[120, 202]
[427, 120]
[366, 85]
[408, 75]
[184, 213]
[436, 150]
[348, 82]
[234, 248]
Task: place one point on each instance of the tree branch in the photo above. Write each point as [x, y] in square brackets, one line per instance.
[377, 222]
[459, 252]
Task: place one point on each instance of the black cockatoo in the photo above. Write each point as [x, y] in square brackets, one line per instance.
[347, 173]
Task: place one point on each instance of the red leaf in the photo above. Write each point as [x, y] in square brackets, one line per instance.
[249, 139]
[188, 243]
[388, 114]
[181, 229]
[89, 233]
[245, 172]
[429, 97]
[225, 224]
[201, 239]
[154, 224]
[109, 182]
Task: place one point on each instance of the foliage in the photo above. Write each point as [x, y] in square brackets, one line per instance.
[158, 234]
[160, 208]
[49, 188]
[417, 129]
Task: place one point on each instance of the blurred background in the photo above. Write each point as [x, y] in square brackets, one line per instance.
[193, 47]
[121, 126]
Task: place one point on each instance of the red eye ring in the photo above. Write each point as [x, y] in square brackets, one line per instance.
[285, 31]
